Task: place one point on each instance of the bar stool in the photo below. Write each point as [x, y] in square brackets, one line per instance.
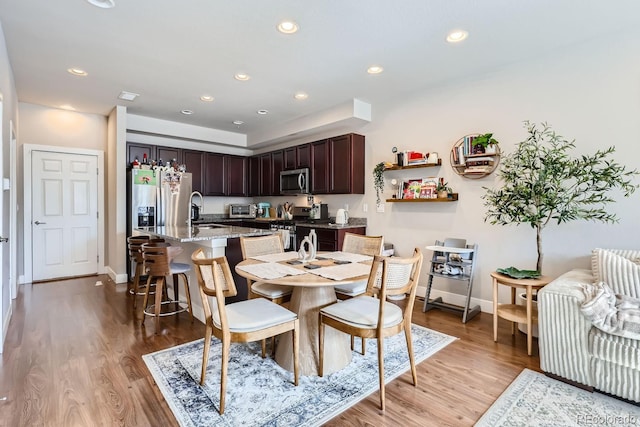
[135, 255]
[157, 264]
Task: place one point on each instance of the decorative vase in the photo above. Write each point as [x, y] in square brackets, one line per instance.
[491, 149]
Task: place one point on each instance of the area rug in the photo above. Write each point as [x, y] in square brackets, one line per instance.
[533, 399]
[261, 393]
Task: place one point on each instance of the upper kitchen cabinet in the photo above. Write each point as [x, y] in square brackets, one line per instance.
[194, 161]
[297, 157]
[138, 151]
[346, 164]
[254, 176]
[265, 186]
[214, 175]
[167, 154]
[338, 165]
[320, 167]
[277, 166]
[236, 167]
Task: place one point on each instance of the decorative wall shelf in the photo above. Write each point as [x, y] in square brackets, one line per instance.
[453, 198]
[471, 165]
[426, 165]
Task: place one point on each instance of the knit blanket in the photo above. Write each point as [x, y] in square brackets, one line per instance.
[610, 312]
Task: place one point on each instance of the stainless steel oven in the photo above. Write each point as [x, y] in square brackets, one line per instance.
[290, 229]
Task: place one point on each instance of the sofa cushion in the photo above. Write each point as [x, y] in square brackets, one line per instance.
[610, 312]
[616, 267]
[615, 349]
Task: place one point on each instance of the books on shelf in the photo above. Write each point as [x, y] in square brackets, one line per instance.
[479, 169]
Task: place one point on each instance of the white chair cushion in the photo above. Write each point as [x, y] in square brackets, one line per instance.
[363, 312]
[269, 290]
[253, 314]
[178, 267]
[352, 289]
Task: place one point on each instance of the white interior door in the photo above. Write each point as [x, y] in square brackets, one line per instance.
[64, 220]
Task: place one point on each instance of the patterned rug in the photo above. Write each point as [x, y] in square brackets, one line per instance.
[261, 393]
[533, 399]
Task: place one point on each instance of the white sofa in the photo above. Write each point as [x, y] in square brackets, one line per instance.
[571, 347]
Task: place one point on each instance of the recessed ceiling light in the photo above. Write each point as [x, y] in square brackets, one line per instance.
[300, 95]
[238, 122]
[206, 98]
[457, 36]
[77, 72]
[67, 107]
[187, 112]
[128, 96]
[104, 4]
[287, 27]
[242, 77]
[375, 69]
[263, 112]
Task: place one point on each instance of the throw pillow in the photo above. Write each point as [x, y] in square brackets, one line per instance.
[617, 269]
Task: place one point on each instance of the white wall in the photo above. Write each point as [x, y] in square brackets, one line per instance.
[54, 127]
[9, 114]
[591, 94]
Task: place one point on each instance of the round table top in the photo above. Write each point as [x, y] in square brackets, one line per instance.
[503, 279]
[449, 249]
[302, 280]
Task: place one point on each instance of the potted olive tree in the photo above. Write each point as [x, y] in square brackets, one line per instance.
[541, 183]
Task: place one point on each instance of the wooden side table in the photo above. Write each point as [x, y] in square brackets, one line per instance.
[516, 313]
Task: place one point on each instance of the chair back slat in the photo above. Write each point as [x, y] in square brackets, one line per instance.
[157, 258]
[262, 245]
[364, 245]
[394, 275]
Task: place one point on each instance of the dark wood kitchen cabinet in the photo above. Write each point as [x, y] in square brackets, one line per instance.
[290, 158]
[253, 173]
[214, 175]
[194, 161]
[167, 154]
[328, 239]
[338, 165]
[277, 166]
[266, 177]
[320, 167]
[303, 156]
[236, 176]
[137, 151]
[346, 164]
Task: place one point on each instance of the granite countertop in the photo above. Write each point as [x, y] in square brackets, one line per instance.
[203, 233]
[223, 219]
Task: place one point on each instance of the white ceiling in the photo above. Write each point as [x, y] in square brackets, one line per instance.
[172, 52]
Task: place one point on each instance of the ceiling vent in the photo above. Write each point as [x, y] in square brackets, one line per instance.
[128, 96]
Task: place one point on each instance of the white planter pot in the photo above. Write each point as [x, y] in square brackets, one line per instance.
[491, 149]
[522, 327]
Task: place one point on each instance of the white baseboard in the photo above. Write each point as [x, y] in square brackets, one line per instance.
[456, 299]
[22, 280]
[117, 277]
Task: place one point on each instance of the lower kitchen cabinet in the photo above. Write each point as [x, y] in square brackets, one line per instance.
[329, 239]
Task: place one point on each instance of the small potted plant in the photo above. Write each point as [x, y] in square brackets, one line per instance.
[484, 143]
[443, 189]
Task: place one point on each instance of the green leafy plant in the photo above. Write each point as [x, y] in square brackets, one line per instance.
[378, 180]
[543, 183]
[484, 140]
[443, 186]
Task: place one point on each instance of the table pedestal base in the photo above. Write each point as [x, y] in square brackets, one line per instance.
[307, 302]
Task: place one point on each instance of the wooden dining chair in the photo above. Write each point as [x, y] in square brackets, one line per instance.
[358, 244]
[372, 316]
[158, 264]
[264, 245]
[244, 321]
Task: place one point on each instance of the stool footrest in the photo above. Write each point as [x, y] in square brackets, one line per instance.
[150, 310]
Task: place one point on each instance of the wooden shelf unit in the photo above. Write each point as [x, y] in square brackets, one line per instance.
[460, 168]
[453, 198]
[426, 165]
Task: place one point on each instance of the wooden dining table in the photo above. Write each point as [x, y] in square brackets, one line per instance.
[310, 293]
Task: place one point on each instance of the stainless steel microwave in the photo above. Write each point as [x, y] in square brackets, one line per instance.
[242, 211]
[295, 181]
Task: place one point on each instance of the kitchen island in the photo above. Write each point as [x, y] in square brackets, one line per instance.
[216, 240]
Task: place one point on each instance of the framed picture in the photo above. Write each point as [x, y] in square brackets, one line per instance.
[421, 188]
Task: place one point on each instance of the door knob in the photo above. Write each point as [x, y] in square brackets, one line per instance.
[38, 222]
[4, 239]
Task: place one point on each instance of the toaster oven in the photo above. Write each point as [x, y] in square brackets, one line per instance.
[242, 211]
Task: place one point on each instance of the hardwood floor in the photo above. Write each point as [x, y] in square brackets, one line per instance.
[72, 357]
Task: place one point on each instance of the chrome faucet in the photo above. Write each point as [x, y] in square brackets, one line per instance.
[195, 193]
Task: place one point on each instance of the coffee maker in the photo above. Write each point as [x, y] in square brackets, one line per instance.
[319, 211]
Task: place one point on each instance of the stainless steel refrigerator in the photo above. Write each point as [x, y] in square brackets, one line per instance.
[157, 198]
